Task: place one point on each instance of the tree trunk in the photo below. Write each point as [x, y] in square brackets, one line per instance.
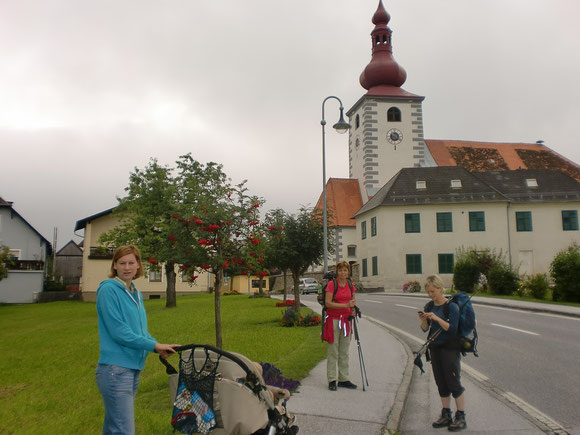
[285, 287]
[170, 294]
[296, 279]
[231, 283]
[218, 313]
[260, 285]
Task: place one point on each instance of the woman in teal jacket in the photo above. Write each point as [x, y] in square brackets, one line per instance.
[124, 340]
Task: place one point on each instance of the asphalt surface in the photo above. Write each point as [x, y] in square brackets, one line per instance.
[399, 398]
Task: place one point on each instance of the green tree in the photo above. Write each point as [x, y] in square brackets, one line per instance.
[146, 220]
[5, 261]
[301, 243]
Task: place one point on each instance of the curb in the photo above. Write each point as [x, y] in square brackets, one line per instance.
[394, 417]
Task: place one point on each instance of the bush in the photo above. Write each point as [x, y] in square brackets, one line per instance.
[51, 285]
[535, 286]
[412, 287]
[291, 318]
[503, 280]
[465, 275]
[565, 271]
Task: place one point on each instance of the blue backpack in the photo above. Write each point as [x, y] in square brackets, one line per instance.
[466, 330]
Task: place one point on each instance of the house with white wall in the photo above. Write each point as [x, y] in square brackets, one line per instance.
[29, 250]
[415, 225]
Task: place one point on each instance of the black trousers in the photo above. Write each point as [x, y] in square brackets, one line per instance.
[446, 364]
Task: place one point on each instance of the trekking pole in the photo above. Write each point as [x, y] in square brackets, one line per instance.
[361, 359]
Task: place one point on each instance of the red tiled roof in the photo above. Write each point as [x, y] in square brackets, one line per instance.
[492, 156]
[343, 200]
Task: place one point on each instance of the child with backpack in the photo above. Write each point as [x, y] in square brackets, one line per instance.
[339, 304]
[445, 353]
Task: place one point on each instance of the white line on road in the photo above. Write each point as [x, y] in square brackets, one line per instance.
[405, 306]
[514, 329]
[522, 311]
[374, 302]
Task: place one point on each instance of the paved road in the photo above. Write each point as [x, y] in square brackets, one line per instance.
[532, 355]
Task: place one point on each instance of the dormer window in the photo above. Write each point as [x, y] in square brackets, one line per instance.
[421, 184]
[531, 182]
[456, 184]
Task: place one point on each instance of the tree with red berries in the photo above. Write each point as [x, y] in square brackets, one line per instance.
[219, 225]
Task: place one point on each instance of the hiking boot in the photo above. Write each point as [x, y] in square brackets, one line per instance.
[459, 422]
[332, 386]
[445, 419]
[347, 384]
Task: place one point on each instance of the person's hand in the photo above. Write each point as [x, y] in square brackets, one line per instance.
[165, 349]
[351, 303]
[422, 315]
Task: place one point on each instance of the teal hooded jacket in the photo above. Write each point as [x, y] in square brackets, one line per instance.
[124, 339]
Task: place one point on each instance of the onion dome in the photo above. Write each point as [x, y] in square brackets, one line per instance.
[382, 71]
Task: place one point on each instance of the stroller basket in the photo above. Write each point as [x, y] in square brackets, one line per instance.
[219, 392]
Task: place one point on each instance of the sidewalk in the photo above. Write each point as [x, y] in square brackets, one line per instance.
[397, 397]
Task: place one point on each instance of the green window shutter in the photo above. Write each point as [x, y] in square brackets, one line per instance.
[444, 222]
[373, 226]
[570, 220]
[413, 263]
[412, 223]
[363, 230]
[445, 263]
[364, 267]
[476, 221]
[375, 266]
[523, 221]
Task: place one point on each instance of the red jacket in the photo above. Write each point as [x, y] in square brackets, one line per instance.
[343, 295]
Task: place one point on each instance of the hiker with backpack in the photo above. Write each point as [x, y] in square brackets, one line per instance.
[339, 302]
[445, 352]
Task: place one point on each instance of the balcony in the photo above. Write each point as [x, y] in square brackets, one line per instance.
[101, 253]
[26, 265]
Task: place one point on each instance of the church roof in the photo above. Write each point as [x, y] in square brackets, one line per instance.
[454, 184]
[343, 200]
[492, 156]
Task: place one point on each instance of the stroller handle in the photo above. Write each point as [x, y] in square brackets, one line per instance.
[170, 370]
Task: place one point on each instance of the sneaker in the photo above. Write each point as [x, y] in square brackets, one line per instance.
[445, 419]
[332, 386]
[347, 384]
[459, 422]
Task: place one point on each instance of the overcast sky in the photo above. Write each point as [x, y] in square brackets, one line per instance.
[91, 89]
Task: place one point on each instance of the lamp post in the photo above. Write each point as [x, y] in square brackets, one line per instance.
[341, 127]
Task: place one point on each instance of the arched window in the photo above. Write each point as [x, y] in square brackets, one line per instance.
[357, 143]
[357, 121]
[394, 115]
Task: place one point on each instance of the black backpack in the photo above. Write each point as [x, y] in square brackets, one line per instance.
[466, 330]
[321, 298]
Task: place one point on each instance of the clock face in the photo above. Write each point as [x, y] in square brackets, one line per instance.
[394, 136]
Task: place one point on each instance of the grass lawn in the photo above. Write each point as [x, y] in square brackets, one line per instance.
[50, 351]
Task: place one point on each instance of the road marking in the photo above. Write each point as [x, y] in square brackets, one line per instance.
[374, 302]
[514, 329]
[405, 306]
[523, 311]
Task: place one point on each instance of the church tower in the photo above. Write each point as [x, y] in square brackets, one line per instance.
[387, 122]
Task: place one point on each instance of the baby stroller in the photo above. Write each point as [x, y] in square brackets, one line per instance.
[223, 393]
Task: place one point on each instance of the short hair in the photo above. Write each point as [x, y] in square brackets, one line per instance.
[435, 281]
[121, 251]
[342, 264]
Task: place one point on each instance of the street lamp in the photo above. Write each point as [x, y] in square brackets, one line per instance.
[341, 127]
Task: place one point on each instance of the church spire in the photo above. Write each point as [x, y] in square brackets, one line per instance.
[383, 74]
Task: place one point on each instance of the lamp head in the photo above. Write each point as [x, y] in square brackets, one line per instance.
[341, 126]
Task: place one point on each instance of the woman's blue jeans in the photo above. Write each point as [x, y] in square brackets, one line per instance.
[118, 386]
